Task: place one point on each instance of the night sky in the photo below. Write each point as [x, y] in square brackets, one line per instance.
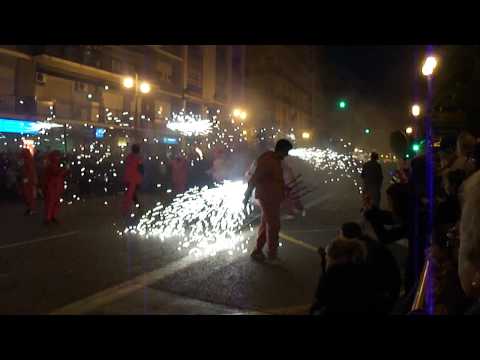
[386, 76]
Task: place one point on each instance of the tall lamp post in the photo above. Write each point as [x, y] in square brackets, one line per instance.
[428, 70]
[142, 87]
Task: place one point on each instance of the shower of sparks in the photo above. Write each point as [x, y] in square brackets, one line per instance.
[190, 125]
[332, 164]
[40, 125]
[206, 220]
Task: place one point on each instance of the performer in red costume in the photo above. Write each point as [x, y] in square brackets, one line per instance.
[269, 185]
[179, 167]
[29, 180]
[54, 186]
[133, 178]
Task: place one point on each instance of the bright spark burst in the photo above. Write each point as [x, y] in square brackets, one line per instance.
[206, 220]
[333, 164]
[190, 125]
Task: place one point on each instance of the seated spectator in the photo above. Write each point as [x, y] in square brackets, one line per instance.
[447, 153]
[465, 151]
[448, 210]
[469, 252]
[347, 286]
[385, 269]
[388, 226]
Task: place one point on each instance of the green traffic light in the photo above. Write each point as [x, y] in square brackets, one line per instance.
[367, 131]
[416, 147]
[342, 104]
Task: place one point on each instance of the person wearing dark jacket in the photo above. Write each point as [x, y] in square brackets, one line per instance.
[372, 176]
[385, 270]
[347, 287]
[417, 221]
[389, 226]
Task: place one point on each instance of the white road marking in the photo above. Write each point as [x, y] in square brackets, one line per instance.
[109, 295]
[38, 240]
[333, 228]
[318, 200]
[298, 242]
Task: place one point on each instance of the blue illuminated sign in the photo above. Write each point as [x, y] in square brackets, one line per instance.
[169, 140]
[100, 133]
[18, 126]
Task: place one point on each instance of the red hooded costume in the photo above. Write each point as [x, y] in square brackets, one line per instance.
[54, 185]
[267, 179]
[179, 174]
[29, 179]
[132, 178]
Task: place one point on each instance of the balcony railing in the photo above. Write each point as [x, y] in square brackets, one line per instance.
[33, 109]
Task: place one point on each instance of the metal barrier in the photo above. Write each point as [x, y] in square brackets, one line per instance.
[419, 301]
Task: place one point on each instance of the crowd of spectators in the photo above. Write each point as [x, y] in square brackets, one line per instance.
[360, 274]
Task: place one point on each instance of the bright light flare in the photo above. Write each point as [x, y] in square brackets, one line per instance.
[416, 110]
[145, 88]
[429, 66]
[128, 82]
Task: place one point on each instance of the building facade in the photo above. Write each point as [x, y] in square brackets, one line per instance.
[86, 83]
[280, 85]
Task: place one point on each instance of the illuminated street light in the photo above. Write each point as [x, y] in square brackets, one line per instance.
[416, 110]
[237, 112]
[306, 135]
[145, 87]
[409, 130]
[243, 115]
[429, 66]
[128, 82]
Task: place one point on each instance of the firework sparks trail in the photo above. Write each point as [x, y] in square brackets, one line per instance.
[210, 220]
[333, 164]
[190, 125]
[207, 220]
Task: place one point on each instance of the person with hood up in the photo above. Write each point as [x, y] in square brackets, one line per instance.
[29, 180]
[54, 186]
[269, 185]
[179, 167]
[133, 178]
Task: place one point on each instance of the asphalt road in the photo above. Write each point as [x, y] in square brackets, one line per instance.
[45, 268]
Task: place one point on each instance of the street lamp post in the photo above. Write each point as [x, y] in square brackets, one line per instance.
[144, 88]
[428, 70]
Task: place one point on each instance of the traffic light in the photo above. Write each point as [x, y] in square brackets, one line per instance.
[342, 104]
[367, 131]
[416, 147]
